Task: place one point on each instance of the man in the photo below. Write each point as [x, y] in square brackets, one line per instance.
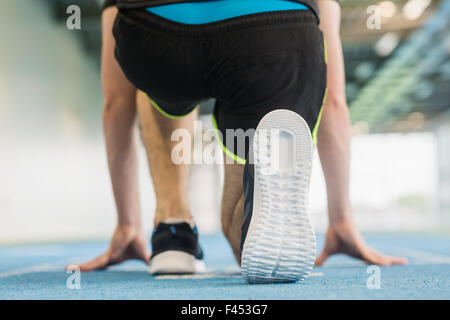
[163, 32]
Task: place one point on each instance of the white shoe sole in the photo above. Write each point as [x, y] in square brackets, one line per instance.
[175, 262]
[280, 245]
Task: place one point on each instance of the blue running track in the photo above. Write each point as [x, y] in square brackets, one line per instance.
[37, 272]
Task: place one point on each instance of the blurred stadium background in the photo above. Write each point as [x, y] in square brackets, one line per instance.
[54, 182]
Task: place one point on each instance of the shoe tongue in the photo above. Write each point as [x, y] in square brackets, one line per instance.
[178, 220]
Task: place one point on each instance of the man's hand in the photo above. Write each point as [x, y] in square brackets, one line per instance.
[127, 243]
[345, 238]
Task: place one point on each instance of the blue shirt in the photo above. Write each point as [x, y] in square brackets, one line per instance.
[216, 10]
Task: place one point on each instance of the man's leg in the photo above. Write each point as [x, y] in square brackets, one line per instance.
[170, 181]
[233, 207]
[334, 151]
[175, 244]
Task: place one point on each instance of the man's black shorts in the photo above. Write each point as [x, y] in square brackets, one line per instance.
[251, 65]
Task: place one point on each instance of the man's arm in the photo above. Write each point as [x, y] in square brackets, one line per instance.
[343, 235]
[334, 130]
[119, 117]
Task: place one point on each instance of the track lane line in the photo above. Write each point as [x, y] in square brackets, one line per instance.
[45, 267]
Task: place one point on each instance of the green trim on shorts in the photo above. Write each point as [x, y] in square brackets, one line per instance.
[230, 154]
[316, 127]
[168, 115]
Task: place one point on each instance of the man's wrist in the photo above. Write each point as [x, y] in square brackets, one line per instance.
[127, 224]
[343, 220]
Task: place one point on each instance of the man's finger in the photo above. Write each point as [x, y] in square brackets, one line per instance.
[383, 260]
[146, 257]
[398, 260]
[321, 258]
[100, 262]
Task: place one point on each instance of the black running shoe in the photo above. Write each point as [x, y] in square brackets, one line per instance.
[278, 242]
[176, 249]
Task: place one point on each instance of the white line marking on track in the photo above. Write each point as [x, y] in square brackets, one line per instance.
[419, 257]
[196, 276]
[316, 274]
[46, 267]
[227, 273]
